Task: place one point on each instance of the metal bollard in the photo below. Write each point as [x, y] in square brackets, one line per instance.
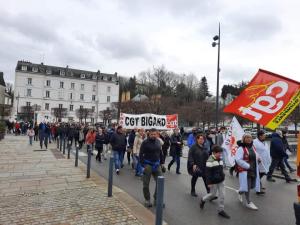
[64, 148]
[110, 176]
[69, 149]
[88, 171]
[159, 200]
[76, 155]
[60, 143]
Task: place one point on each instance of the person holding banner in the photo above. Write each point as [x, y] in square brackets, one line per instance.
[247, 166]
[176, 150]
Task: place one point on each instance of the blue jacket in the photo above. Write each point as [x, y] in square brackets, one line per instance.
[277, 147]
[191, 140]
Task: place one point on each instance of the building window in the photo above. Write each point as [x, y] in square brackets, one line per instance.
[48, 71]
[62, 73]
[82, 86]
[60, 106]
[81, 97]
[108, 89]
[71, 96]
[29, 81]
[94, 87]
[108, 98]
[48, 83]
[73, 86]
[35, 69]
[28, 104]
[24, 68]
[71, 107]
[47, 106]
[81, 106]
[93, 97]
[47, 94]
[29, 92]
[93, 108]
[61, 84]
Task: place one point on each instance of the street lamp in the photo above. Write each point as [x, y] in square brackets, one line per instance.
[217, 42]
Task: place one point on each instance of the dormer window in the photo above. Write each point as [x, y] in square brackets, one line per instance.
[35, 69]
[62, 73]
[48, 71]
[24, 68]
[82, 76]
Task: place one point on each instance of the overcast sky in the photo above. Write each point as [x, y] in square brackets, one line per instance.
[133, 35]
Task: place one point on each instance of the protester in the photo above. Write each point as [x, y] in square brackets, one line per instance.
[176, 150]
[196, 164]
[106, 144]
[36, 131]
[90, 140]
[263, 151]
[139, 137]
[43, 134]
[100, 139]
[215, 179]
[165, 147]
[81, 137]
[278, 153]
[247, 165]
[151, 158]
[30, 134]
[118, 142]
[131, 137]
[192, 138]
[220, 140]
[287, 148]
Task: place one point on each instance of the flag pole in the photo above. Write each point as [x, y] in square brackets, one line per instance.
[297, 204]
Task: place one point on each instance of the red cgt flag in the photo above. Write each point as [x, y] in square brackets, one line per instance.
[268, 99]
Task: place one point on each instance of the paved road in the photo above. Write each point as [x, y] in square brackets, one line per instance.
[275, 208]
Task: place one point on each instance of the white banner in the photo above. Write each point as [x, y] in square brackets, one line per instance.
[148, 121]
[234, 134]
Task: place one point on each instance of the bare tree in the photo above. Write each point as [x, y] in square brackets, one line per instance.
[27, 113]
[84, 113]
[59, 113]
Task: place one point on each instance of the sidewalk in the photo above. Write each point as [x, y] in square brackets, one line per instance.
[43, 187]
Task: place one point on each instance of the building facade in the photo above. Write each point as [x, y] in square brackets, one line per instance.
[45, 89]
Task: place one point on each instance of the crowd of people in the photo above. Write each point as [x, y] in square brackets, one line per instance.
[146, 153]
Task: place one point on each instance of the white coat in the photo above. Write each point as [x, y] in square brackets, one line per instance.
[243, 175]
[263, 151]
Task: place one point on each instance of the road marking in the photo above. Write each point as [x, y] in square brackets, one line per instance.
[232, 189]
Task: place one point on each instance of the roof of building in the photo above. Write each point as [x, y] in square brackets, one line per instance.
[28, 67]
[2, 82]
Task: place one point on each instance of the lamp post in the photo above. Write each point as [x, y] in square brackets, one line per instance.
[217, 42]
[119, 100]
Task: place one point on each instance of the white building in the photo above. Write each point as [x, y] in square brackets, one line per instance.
[45, 88]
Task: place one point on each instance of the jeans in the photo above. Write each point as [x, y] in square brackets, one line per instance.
[137, 164]
[30, 140]
[177, 160]
[274, 164]
[286, 162]
[146, 180]
[220, 188]
[117, 159]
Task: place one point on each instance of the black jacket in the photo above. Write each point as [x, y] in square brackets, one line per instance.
[277, 148]
[118, 142]
[151, 150]
[214, 170]
[100, 140]
[176, 149]
[197, 156]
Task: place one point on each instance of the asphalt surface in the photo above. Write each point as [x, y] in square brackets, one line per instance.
[275, 208]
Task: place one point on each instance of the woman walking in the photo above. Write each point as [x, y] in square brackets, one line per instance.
[30, 134]
[139, 137]
[100, 139]
[247, 166]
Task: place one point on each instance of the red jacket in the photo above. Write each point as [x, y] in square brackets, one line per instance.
[90, 137]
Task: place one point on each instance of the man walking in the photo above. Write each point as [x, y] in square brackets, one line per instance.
[151, 157]
[277, 154]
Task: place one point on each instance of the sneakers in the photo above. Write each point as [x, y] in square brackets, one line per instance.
[193, 193]
[292, 170]
[117, 171]
[251, 205]
[260, 192]
[202, 203]
[288, 180]
[178, 172]
[213, 198]
[148, 204]
[240, 197]
[224, 214]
